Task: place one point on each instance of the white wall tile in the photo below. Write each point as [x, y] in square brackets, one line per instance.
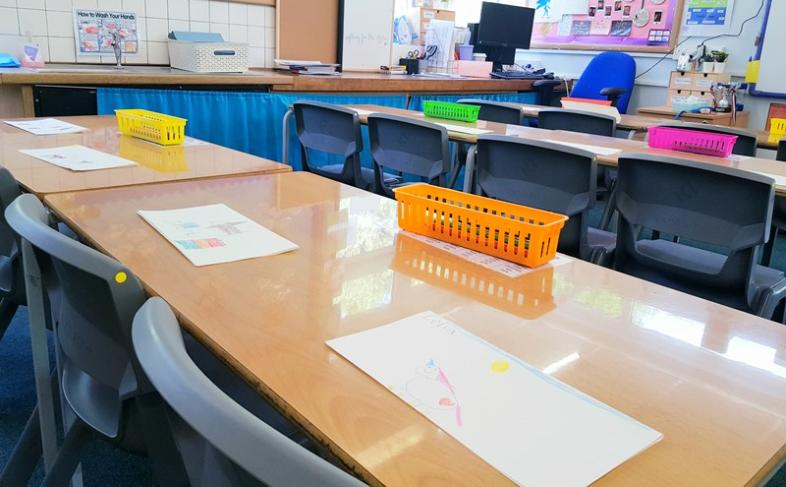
[11, 44]
[157, 53]
[32, 22]
[87, 4]
[157, 29]
[238, 33]
[199, 10]
[256, 57]
[62, 50]
[270, 37]
[43, 45]
[222, 29]
[181, 25]
[113, 5]
[199, 27]
[61, 5]
[156, 9]
[256, 15]
[178, 9]
[9, 22]
[7, 3]
[136, 6]
[34, 4]
[256, 36]
[60, 24]
[238, 13]
[219, 12]
[270, 54]
[270, 16]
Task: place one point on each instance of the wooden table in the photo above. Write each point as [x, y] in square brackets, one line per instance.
[775, 169]
[710, 378]
[715, 118]
[770, 141]
[156, 163]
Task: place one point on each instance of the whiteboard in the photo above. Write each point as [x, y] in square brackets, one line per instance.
[366, 33]
[772, 72]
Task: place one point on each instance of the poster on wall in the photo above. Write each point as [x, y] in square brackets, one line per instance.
[93, 32]
[705, 18]
[631, 25]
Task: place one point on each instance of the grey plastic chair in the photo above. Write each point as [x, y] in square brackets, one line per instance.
[577, 121]
[495, 111]
[707, 203]
[782, 150]
[222, 443]
[746, 140]
[548, 176]
[102, 389]
[778, 216]
[12, 283]
[411, 147]
[335, 130]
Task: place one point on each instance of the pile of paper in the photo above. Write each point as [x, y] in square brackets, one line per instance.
[307, 67]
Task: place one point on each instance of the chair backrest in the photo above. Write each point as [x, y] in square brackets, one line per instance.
[543, 175]
[242, 444]
[97, 298]
[577, 121]
[11, 274]
[746, 140]
[782, 150]
[713, 204]
[412, 147]
[495, 111]
[607, 70]
[331, 129]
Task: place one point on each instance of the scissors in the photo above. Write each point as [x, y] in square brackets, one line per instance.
[414, 54]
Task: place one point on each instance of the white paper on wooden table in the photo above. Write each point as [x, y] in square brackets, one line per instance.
[46, 126]
[462, 129]
[534, 429]
[595, 149]
[216, 234]
[78, 158]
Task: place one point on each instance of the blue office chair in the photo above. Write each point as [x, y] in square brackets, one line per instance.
[609, 76]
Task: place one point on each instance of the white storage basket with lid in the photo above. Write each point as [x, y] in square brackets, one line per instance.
[208, 57]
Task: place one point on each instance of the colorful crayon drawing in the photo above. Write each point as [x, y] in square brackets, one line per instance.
[432, 389]
[204, 243]
[544, 5]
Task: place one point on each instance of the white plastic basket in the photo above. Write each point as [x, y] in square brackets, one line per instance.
[208, 57]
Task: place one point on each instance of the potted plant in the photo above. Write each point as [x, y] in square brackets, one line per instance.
[720, 61]
[708, 63]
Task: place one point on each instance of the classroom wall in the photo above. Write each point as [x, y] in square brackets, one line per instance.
[651, 88]
[50, 23]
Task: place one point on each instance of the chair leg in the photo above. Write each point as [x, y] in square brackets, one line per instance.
[457, 165]
[769, 247]
[68, 457]
[27, 452]
[608, 212]
[7, 312]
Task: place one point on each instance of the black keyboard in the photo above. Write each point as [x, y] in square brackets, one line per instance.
[516, 75]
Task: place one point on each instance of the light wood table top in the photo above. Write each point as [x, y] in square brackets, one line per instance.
[637, 123]
[155, 163]
[769, 167]
[710, 378]
[767, 140]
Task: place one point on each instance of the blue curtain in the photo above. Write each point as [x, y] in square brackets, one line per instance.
[247, 121]
[416, 102]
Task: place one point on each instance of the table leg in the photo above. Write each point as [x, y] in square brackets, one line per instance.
[285, 141]
[469, 169]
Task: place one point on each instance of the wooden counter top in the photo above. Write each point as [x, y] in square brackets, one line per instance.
[83, 74]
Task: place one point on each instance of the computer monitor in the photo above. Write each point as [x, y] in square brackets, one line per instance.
[502, 30]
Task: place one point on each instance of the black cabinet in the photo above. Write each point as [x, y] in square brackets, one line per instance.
[60, 101]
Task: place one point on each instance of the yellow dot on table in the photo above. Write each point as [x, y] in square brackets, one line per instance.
[500, 366]
[121, 277]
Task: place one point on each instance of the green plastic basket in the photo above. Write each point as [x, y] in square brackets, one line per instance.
[451, 111]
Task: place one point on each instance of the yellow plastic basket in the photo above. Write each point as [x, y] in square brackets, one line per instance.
[520, 234]
[155, 127]
[778, 126]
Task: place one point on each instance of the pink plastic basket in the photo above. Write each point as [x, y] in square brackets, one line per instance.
[696, 141]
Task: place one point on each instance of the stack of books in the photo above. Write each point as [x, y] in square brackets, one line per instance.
[307, 67]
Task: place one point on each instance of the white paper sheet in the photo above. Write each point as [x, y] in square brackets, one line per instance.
[463, 130]
[78, 158]
[46, 126]
[215, 234]
[504, 267]
[531, 427]
[596, 149]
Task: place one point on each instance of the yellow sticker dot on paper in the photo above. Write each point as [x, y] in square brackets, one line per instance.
[120, 277]
[500, 366]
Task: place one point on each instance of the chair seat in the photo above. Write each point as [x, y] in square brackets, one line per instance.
[601, 244]
[708, 263]
[334, 171]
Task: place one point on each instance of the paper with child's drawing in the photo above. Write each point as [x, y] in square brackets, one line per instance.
[595, 149]
[78, 158]
[531, 427]
[46, 126]
[215, 234]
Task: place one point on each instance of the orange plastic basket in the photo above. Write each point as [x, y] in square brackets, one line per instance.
[523, 235]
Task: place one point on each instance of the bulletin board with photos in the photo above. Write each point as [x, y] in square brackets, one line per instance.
[629, 25]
